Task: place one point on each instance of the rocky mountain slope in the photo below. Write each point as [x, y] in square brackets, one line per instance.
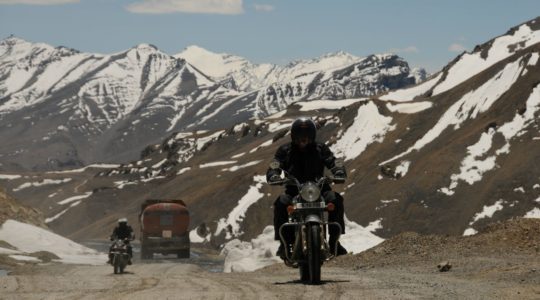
[448, 156]
[61, 108]
[14, 210]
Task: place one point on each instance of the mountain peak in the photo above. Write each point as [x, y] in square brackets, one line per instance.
[194, 51]
[13, 40]
[146, 47]
[215, 64]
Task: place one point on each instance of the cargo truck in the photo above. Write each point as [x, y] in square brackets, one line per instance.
[164, 228]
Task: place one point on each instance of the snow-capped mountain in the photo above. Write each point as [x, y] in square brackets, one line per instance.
[60, 107]
[337, 75]
[449, 155]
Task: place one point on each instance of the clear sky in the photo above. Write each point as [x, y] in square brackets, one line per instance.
[427, 33]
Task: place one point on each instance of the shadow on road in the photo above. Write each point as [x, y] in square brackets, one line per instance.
[306, 283]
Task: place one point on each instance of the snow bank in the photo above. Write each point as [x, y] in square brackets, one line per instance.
[250, 256]
[260, 252]
[28, 239]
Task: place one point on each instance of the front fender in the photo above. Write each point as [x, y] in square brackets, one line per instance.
[313, 219]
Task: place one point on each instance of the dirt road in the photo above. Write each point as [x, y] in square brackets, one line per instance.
[471, 278]
[501, 263]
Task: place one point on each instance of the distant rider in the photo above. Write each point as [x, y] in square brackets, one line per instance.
[305, 159]
[123, 232]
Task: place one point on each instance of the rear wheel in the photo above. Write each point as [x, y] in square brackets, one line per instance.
[314, 253]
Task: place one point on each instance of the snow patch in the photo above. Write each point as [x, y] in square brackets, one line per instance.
[217, 163]
[9, 177]
[369, 126]
[469, 106]
[41, 183]
[183, 170]
[533, 214]
[471, 64]
[75, 198]
[231, 224]
[409, 108]
[470, 231]
[519, 189]
[409, 94]
[488, 211]
[326, 104]
[403, 168]
[236, 168]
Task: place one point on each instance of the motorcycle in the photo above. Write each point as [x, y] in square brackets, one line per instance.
[308, 216]
[119, 255]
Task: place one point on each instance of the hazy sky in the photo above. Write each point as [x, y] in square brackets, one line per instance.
[427, 33]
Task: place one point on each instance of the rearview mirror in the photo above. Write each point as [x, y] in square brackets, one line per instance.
[274, 165]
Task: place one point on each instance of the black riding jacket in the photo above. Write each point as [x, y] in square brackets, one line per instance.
[307, 165]
[123, 232]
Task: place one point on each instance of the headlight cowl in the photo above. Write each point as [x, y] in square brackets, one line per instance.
[310, 192]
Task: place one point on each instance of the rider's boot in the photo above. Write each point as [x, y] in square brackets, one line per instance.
[281, 251]
[333, 246]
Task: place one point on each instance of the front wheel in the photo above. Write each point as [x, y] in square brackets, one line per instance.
[117, 264]
[314, 253]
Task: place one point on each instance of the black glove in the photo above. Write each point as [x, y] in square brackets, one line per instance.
[339, 176]
[275, 178]
[339, 173]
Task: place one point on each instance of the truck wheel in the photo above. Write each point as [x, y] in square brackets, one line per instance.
[183, 253]
[146, 254]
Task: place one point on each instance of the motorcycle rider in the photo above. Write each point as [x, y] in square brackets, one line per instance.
[123, 232]
[305, 159]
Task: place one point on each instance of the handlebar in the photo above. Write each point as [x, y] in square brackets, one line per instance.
[321, 181]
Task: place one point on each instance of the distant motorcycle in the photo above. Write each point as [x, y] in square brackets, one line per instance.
[307, 216]
[120, 255]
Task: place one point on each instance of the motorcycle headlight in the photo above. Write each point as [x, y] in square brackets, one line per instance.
[310, 192]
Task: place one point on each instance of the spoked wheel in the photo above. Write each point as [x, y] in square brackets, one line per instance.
[314, 253]
[116, 265]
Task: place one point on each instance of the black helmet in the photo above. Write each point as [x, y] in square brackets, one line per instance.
[303, 127]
